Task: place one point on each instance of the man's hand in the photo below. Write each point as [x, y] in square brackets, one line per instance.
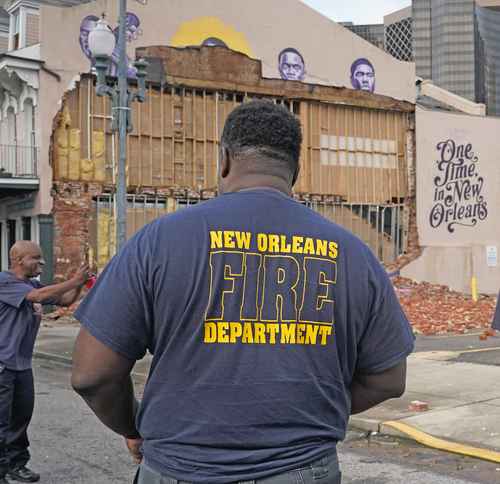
[82, 275]
[63, 294]
[134, 447]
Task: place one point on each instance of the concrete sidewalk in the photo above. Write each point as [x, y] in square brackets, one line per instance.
[463, 398]
[55, 343]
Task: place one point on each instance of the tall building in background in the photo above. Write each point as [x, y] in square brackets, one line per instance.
[373, 33]
[422, 45]
[394, 35]
[456, 43]
[398, 34]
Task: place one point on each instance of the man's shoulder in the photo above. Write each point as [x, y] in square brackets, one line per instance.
[6, 276]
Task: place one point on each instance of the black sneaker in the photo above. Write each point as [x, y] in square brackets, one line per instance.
[23, 474]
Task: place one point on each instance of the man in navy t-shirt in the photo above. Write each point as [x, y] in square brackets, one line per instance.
[21, 300]
[268, 325]
[496, 318]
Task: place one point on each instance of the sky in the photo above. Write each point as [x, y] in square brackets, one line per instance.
[357, 11]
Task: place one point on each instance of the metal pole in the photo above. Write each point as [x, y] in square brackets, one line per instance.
[123, 106]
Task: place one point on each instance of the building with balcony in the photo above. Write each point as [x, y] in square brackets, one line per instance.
[47, 54]
[25, 126]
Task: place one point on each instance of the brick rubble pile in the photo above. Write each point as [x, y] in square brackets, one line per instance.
[433, 309]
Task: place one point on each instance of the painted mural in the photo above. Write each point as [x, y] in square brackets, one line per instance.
[86, 26]
[133, 32]
[210, 31]
[291, 65]
[457, 177]
[214, 42]
[458, 188]
[363, 75]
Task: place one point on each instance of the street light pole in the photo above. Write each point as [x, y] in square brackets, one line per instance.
[102, 46]
[123, 108]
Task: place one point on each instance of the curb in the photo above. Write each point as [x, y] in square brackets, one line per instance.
[392, 428]
[63, 360]
[403, 430]
[66, 361]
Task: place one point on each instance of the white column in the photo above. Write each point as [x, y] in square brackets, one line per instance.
[19, 228]
[22, 27]
[35, 229]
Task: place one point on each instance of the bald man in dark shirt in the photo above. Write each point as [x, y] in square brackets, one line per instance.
[21, 300]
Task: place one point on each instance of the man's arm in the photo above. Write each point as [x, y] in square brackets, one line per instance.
[367, 391]
[59, 292]
[68, 298]
[102, 378]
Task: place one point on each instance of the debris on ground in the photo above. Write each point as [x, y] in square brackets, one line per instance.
[418, 406]
[434, 309]
[60, 317]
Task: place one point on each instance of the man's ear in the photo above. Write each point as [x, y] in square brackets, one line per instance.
[225, 162]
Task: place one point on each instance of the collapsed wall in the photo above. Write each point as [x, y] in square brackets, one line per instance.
[358, 162]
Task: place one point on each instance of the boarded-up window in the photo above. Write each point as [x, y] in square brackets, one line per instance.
[32, 29]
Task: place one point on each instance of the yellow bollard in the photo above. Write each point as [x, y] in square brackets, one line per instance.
[473, 284]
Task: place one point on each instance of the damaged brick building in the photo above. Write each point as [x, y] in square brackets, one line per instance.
[357, 157]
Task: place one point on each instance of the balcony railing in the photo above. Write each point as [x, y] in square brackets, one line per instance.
[18, 161]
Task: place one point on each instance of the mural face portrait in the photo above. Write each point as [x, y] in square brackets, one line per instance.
[132, 29]
[291, 65]
[363, 75]
[132, 32]
[214, 42]
[87, 25]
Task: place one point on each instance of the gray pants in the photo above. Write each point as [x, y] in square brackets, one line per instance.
[322, 471]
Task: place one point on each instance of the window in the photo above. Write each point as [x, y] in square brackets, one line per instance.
[24, 29]
[16, 30]
[29, 123]
[11, 233]
[11, 127]
[26, 224]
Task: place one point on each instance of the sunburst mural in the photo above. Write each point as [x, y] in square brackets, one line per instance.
[210, 31]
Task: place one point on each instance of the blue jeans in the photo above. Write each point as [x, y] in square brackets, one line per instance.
[322, 471]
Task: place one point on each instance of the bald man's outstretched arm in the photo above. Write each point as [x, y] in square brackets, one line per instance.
[64, 293]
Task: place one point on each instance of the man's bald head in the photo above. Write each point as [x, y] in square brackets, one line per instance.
[22, 248]
[26, 259]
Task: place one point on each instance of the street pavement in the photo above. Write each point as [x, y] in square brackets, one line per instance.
[457, 377]
[70, 446]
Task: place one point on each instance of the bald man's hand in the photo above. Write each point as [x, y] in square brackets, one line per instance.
[63, 294]
[82, 275]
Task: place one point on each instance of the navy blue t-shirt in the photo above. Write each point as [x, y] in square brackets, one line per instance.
[496, 317]
[19, 321]
[258, 311]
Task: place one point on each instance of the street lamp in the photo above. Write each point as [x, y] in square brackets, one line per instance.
[102, 45]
